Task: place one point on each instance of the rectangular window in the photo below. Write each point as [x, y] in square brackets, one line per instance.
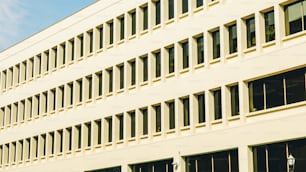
[184, 6]
[295, 15]
[88, 87]
[156, 166]
[71, 49]
[201, 107]
[170, 9]
[216, 44]
[121, 76]
[185, 54]
[171, 112]
[100, 34]
[234, 100]
[200, 50]
[144, 68]
[157, 64]
[144, 113]
[98, 132]
[232, 33]
[199, 3]
[109, 122]
[133, 22]
[157, 112]
[171, 64]
[62, 54]
[217, 104]
[79, 90]
[90, 41]
[132, 124]
[110, 80]
[111, 32]
[112, 169]
[250, 31]
[145, 21]
[121, 126]
[157, 12]
[70, 94]
[186, 111]
[81, 45]
[269, 26]
[78, 137]
[133, 72]
[121, 23]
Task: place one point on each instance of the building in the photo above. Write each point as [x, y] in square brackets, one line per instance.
[159, 86]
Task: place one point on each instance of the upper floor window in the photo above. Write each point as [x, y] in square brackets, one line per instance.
[250, 31]
[157, 64]
[133, 22]
[216, 44]
[269, 26]
[232, 33]
[157, 12]
[145, 18]
[184, 6]
[170, 59]
[121, 26]
[199, 3]
[295, 15]
[170, 9]
[185, 54]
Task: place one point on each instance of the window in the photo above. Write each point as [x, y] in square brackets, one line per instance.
[79, 90]
[269, 26]
[68, 139]
[109, 123]
[132, 121]
[200, 50]
[71, 50]
[97, 132]
[112, 169]
[111, 32]
[216, 44]
[61, 97]
[186, 111]
[217, 162]
[185, 55]
[295, 15]
[88, 85]
[100, 37]
[199, 3]
[90, 41]
[62, 54]
[121, 26]
[78, 137]
[144, 61]
[70, 94]
[81, 45]
[171, 63]
[250, 31]
[121, 76]
[157, 112]
[132, 72]
[157, 64]
[156, 166]
[157, 12]
[170, 9]
[234, 100]
[121, 126]
[217, 104]
[144, 113]
[98, 84]
[59, 141]
[171, 112]
[110, 80]
[201, 107]
[184, 6]
[133, 22]
[145, 21]
[277, 90]
[232, 33]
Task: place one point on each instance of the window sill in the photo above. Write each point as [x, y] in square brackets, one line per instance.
[132, 37]
[217, 60]
[78, 150]
[68, 152]
[184, 71]
[295, 35]
[200, 125]
[88, 101]
[99, 97]
[87, 148]
[50, 156]
[71, 62]
[120, 41]
[198, 9]
[213, 3]
[90, 54]
[131, 139]
[170, 75]
[60, 110]
[183, 15]
[198, 66]
[249, 50]
[62, 66]
[43, 157]
[120, 91]
[218, 121]
[119, 142]
[80, 58]
[275, 109]
[233, 118]
[99, 50]
[144, 32]
[156, 27]
[108, 144]
[156, 79]
[169, 21]
[157, 134]
[97, 146]
[59, 154]
[132, 87]
[109, 94]
[233, 55]
[52, 70]
[144, 137]
[144, 83]
[185, 128]
[79, 104]
[268, 44]
[51, 113]
[170, 131]
[70, 107]
[110, 46]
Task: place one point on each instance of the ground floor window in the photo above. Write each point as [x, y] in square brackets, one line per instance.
[225, 161]
[274, 157]
[156, 166]
[113, 169]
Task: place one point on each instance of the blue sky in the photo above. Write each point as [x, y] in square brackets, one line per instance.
[20, 19]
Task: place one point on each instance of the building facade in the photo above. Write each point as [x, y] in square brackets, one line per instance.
[159, 86]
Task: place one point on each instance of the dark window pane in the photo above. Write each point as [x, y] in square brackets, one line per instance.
[298, 151]
[234, 100]
[157, 118]
[221, 162]
[171, 59]
[121, 127]
[216, 44]
[133, 72]
[295, 86]
[157, 65]
[269, 26]
[274, 91]
[157, 13]
[293, 17]
[171, 107]
[201, 107]
[234, 161]
[199, 3]
[185, 49]
[277, 158]
[251, 36]
[133, 126]
[256, 95]
[145, 121]
[200, 50]
[217, 104]
[145, 68]
[145, 18]
[259, 156]
[111, 33]
[121, 28]
[186, 111]
[133, 17]
[171, 9]
[185, 6]
[121, 71]
[232, 30]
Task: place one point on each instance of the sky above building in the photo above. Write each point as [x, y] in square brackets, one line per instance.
[19, 19]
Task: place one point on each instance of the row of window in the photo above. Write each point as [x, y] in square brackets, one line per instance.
[51, 59]
[93, 40]
[154, 120]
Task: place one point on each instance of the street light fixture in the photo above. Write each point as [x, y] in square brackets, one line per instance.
[291, 162]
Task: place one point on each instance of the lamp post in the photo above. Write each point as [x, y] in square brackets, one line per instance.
[291, 162]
